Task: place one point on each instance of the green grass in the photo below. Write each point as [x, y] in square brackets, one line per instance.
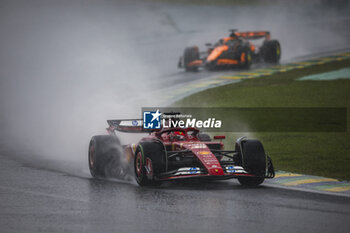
[323, 154]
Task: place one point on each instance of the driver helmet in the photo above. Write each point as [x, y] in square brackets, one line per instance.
[178, 135]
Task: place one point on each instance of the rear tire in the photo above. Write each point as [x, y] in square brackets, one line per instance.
[253, 161]
[271, 51]
[191, 54]
[105, 156]
[149, 153]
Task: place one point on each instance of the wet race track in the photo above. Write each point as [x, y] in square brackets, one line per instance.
[34, 200]
[67, 66]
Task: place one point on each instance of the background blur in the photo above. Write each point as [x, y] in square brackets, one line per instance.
[66, 66]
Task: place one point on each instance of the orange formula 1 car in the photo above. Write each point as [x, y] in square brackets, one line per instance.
[235, 50]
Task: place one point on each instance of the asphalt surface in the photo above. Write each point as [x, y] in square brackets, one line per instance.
[36, 200]
[67, 66]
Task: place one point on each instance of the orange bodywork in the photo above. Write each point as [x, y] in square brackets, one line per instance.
[252, 47]
[243, 57]
[217, 52]
[195, 63]
[227, 62]
[224, 40]
[254, 35]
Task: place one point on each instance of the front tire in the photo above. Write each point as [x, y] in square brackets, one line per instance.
[254, 161]
[150, 160]
[250, 181]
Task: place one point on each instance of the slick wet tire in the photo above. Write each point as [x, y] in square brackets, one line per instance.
[253, 161]
[150, 161]
[191, 54]
[271, 51]
[105, 156]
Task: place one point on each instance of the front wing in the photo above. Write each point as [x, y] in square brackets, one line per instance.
[230, 172]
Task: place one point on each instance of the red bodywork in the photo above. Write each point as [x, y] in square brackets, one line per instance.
[184, 140]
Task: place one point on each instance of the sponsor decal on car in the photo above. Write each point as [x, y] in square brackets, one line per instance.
[198, 146]
[204, 152]
[194, 170]
[234, 169]
[188, 171]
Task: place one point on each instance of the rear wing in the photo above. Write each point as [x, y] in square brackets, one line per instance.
[133, 125]
[126, 125]
[253, 35]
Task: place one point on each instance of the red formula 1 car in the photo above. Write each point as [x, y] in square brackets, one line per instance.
[176, 153]
[235, 50]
